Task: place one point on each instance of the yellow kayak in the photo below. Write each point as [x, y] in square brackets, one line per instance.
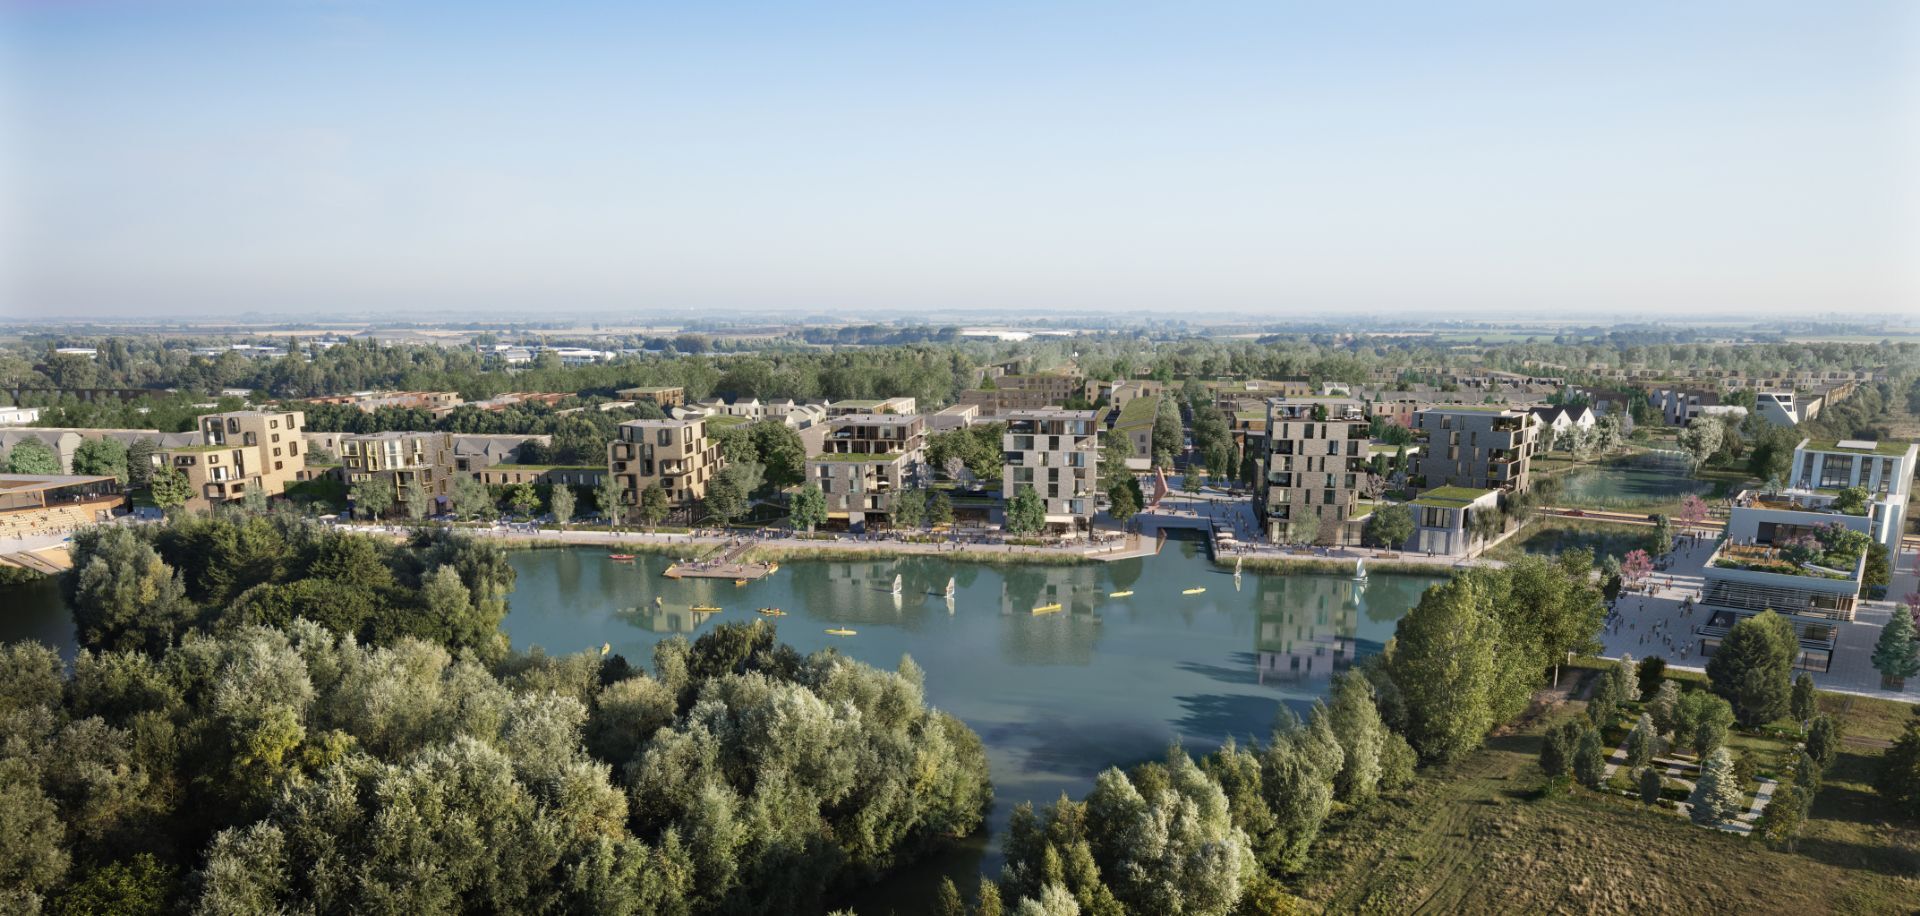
[773, 612]
[839, 631]
[1126, 594]
[1046, 609]
[1193, 591]
[739, 582]
[772, 568]
[705, 609]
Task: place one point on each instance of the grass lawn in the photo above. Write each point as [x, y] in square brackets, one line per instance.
[1479, 836]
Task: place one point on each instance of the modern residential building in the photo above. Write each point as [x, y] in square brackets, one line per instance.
[1055, 453]
[1824, 467]
[1679, 406]
[1133, 424]
[1034, 391]
[1786, 407]
[500, 475]
[1443, 519]
[662, 396]
[1228, 394]
[1560, 424]
[853, 406]
[678, 455]
[959, 416]
[34, 504]
[18, 416]
[1316, 454]
[1479, 448]
[240, 452]
[864, 460]
[404, 459]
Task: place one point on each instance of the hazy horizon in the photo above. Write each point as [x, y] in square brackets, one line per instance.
[1470, 161]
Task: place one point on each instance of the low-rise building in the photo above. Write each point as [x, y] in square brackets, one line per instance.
[959, 416]
[1316, 454]
[1055, 453]
[1443, 519]
[864, 460]
[1034, 391]
[1133, 424]
[1475, 447]
[1558, 425]
[65, 440]
[856, 406]
[677, 455]
[18, 416]
[32, 505]
[662, 396]
[1824, 467]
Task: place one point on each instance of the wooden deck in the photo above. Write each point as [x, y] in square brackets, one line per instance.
[725, 566]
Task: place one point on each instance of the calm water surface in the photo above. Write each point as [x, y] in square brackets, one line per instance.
[1056, 697]
[1648, 478]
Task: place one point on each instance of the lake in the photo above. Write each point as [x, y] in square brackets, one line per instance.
[1056, 697]
[1645, 479]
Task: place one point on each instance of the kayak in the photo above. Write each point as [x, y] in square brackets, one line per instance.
[773, 612]
[705, 609]
[1193, 591]
[1046, 609]
[1125, 594]
[622, 556]
[840, 631]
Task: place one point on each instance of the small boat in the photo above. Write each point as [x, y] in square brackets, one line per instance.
[950, 586]
[605, 648]
[772, 612]
[1046, 609]
[772, 568]
[1360, 570]
[705, 609]
[896, 584]
[1193, 591]
[659, 601]
[1126, 594]
[739, 582]
[840, 631]
[623, 556]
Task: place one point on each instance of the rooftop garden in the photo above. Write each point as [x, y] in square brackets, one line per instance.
[1894, 449]
[1831, 552]
[1138, 412]
[1449, 497]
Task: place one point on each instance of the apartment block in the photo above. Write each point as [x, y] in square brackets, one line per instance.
[1316, 454]
[241, 451]
[1824, 467]
[858, 406]
[1024, 392]
[959, 416]
[1055, 453]
[676, 454]
[662, 396]
[1133, 423]
[1475, 447]
[864, 460]
[404, 459]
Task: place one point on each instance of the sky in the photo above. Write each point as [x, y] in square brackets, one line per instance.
[1293, 159]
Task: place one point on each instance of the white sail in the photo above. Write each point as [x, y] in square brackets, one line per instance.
[896, 584]
[1360, 568]
[949, 586]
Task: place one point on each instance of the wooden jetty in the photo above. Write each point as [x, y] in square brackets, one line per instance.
[727, 565]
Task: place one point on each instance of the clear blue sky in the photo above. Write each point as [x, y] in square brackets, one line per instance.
[1545, 158]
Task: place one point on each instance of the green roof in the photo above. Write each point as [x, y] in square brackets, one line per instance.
[1879, 448]
[1450, 497]
[1138, 412]
[725, 419]
[838, 457]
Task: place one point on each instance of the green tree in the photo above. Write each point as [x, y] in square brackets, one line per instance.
[1752, 668]
[653, 505]
[1642, 742]
[1121, 503]
[724, 502]
[1649, 676]
[1304, 527]
[32, 456]
[561, 504]
[169, 488]
[1701, 440]
[1026, 512]
[807, 508]
[1356, 724]
[1170, 845]
[1442, 663]
[1650, 785]
[781, 451]
[416, 503]
[1557, 748]
[1850, 500]
[1899, 778]
[1389, 526]
[1589, 761]
[606, 498]
[471, 498]
[1662, 536]
[523, 499]
[909, 508]
[939, 509]
[123, 595]
[1167, 433]
[1700, 721]
[372, 495]
[1823, 743]
[140, 459]
[1716, 795]
[1895, 654]
[1804, 703]
[101, 458]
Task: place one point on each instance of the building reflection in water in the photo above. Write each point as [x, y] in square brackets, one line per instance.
[663, 619]
[1307, 628]
[1067, 636]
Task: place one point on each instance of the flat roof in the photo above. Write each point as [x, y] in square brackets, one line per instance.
[1050, 413]
[1856, 446]
[1450, 497]
[30, 483]
[874, 419]
[1138, 412]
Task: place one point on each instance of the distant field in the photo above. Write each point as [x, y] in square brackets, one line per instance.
[1476, 837]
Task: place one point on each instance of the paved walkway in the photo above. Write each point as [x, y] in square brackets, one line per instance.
[1657, 621]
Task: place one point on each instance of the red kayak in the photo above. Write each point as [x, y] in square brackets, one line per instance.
[622, 556]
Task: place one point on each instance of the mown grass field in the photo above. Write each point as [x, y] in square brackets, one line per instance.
[1479, 836]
